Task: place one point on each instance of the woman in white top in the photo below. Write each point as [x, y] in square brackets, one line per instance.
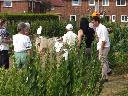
[69, 39]
[22, 45]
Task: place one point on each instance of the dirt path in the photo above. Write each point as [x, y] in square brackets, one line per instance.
[116, 86]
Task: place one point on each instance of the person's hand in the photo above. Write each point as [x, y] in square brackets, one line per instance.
[38, 44]
[29, 52]
[102, 47]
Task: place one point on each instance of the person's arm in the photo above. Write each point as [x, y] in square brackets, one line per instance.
[104, 37]
[80, 34]
[29, 52]
[7, 40]
[28, 45]
[64, 39]
[103, 45]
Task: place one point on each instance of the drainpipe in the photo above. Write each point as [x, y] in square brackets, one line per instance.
[32, 6]
[97, 6]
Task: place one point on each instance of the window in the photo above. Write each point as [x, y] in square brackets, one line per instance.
[124, 18]
[107, 17]
[7, 3]
[52, 8]
[72, 17]
[76, 2]
[120, 2]
[105, 2]
[113, 18]
[92, 2]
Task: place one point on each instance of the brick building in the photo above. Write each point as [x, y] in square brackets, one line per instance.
[19, 6]
[114, 10]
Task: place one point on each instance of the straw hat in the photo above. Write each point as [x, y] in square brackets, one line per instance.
[95, 14]
[69, 27]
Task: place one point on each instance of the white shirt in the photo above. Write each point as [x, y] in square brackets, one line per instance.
[3, 34]
[102, 35]
[4, 46]
[21, 43]
[70, 38]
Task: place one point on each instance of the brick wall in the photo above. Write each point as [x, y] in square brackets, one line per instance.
[79, 11]
[82, 10]
[17, 7]
[67, 10]
[112, 9]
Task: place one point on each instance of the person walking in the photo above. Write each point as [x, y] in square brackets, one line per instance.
[88, 32]
[103, 46]
[22, 46]
[4, 41]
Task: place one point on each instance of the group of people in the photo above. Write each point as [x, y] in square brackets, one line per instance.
[21, 43]
[89, 31]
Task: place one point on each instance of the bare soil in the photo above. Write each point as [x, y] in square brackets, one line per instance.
[115, 86]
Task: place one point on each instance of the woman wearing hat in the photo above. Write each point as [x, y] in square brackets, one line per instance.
[69, 39]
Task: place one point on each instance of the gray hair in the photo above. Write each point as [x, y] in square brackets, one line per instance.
[21, 26]
[28, 24]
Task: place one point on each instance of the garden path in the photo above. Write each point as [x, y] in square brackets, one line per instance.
[116, 86]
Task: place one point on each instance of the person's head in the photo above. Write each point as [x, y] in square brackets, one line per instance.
[91, 25]
[22, 28]
[69, 27]
[28, 25]
[95, 21]
[84, 23]
[3, 23]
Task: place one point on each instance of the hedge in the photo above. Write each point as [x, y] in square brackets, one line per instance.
[29, 17]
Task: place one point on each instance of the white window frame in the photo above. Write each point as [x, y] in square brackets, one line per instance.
[101, 16]
[76, 4]
[91, 4]
[105, 3]
[4, 3]
[52, 8]
[113, 18]
[109, 17]
[72, 16]
[59, 17]
[121, 5]
[122, 18]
